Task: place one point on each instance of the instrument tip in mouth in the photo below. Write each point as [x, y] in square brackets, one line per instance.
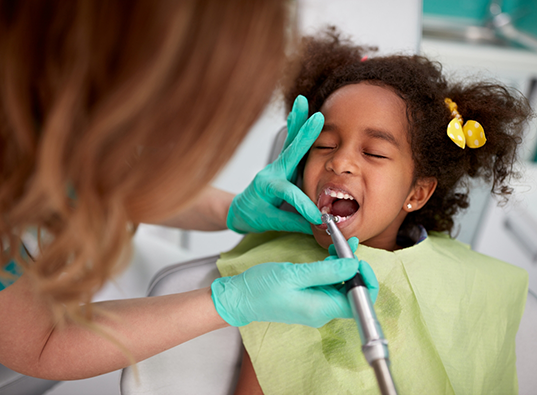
[329, 218]
[326, 218]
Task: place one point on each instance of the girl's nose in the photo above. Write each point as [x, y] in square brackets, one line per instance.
[343, 162]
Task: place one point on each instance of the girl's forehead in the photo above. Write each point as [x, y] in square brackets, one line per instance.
[364, 88]
[369, 109]
[365, 97]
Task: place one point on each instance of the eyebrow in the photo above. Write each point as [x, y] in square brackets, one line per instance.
[382, 135]
[328, 127]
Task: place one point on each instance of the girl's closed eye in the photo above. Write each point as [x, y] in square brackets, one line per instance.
[374, 155]
[324, 146]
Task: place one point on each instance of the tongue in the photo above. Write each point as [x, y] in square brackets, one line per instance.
[344, 208]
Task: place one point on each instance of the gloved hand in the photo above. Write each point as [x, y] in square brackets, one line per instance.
[285, 292]
[368, 275]
[256, 208]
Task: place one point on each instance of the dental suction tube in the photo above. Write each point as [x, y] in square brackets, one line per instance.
[374, 345]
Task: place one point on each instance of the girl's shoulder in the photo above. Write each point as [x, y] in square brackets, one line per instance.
[459, 256]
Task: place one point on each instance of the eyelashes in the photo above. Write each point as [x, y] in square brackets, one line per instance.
[368, 154]
[375, 155]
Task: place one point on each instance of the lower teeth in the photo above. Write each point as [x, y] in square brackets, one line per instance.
[337, 218]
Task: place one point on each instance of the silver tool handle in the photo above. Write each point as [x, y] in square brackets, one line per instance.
[374, 345]
[384, 377]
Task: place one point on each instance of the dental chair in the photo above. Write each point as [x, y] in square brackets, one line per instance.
[13, 383]
[208, 364]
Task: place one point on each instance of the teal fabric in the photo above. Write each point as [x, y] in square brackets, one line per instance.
[12, 271]
[10, 274]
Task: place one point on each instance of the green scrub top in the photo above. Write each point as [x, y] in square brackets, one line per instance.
[14, 271]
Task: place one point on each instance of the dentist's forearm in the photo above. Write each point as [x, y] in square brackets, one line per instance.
[145, 326]
[207, 213]
[31, 344]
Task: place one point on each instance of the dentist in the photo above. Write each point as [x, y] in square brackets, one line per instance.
[114, 113]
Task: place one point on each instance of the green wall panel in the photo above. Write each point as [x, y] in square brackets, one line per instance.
[523, 12]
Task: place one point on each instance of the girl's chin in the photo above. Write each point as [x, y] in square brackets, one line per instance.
[323, 241]
[322, 238]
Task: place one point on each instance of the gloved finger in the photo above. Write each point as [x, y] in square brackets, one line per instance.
[284, 190]
[308, 133]
[336, 306]
[323, 273]
[286, 221]
[370, 279]
[297, 117]
[353, 243]
[331, 257]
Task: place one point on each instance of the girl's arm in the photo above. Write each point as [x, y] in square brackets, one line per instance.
[207, 213]
[247, 384]
[32, 344]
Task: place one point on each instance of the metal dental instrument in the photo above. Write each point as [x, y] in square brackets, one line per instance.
[374, 345]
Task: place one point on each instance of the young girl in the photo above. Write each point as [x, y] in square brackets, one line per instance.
[398, 146]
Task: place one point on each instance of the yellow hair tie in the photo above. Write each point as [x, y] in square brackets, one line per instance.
[472, 133]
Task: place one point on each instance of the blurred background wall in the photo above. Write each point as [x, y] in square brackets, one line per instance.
[496, 40]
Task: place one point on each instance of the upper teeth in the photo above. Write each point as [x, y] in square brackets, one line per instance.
[338, 194]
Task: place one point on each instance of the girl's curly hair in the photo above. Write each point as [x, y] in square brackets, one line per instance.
[327, 63]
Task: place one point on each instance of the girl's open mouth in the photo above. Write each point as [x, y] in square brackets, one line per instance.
[337, 202]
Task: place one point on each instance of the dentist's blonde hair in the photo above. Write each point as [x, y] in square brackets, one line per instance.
[118, 112]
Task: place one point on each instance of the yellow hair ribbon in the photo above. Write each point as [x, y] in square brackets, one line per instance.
[471, 134]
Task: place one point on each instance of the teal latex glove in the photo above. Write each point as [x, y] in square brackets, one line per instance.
[368, 275]
[295, 120]
[256, 208]
[285, 292]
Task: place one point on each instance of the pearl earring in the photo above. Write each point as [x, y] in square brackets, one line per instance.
[409, 206]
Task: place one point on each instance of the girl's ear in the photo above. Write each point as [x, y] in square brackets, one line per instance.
[420, 194]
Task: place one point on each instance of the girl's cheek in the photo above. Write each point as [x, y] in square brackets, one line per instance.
[308, 182]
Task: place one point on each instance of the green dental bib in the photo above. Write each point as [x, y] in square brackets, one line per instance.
[450, 316]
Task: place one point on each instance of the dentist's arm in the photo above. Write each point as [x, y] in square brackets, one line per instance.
[208, 213]
[32, 343]
[256, 209]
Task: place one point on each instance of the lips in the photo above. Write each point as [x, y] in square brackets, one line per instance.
[337, 202]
